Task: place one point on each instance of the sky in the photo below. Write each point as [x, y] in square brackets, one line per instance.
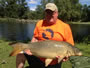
[33, 3]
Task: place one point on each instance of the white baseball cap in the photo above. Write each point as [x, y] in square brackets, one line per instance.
[51, 6]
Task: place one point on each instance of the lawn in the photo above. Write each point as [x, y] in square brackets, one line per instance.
[9, 62]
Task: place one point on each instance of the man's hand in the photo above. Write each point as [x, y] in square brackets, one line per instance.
[27, 51]
[64, 59]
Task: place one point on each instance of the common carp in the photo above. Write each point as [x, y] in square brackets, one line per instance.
[48, 49]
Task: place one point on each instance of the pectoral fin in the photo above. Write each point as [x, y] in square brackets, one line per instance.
[48, 61]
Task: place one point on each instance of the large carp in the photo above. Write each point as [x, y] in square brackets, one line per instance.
[48, 49]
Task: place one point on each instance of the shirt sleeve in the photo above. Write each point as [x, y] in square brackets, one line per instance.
[68, 35]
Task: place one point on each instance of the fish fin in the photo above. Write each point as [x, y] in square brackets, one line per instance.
[15, 52]
[47, 62]
[17, 48]
[60, 59]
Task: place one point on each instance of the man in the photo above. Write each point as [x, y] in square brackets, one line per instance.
[49, 28]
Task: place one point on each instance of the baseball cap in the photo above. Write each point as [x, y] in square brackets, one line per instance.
[51, 6]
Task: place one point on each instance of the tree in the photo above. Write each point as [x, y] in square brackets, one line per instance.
[2, 8]
[13, 8]
[40, 8]
[85, 13]
[22, 9]
[69, 10]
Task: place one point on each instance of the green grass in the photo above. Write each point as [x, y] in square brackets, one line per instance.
[5, 60]
[10, 62]
[85, 50]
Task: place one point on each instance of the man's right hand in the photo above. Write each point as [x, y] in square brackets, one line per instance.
[27, 51]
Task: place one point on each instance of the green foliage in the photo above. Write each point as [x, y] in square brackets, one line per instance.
[13, 8]
[85, 13]
[13, 20]
[40, 9]
[69, 10]
[84, 48]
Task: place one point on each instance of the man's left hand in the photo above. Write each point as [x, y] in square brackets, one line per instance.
[64, 59]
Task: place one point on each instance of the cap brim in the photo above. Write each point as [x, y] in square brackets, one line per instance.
[49, 9]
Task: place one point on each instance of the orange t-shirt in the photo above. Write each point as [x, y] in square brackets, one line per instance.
[59, 31]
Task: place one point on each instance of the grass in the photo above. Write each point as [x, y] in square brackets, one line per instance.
[5, 60]
[10, 62]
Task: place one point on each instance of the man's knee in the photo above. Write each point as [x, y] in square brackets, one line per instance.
[20, 57]
[20, 61]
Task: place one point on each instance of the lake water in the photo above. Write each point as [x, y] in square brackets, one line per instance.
[20, 31]
[16, 31]
[80, 31]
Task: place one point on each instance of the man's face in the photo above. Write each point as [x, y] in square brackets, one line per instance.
[51, 16]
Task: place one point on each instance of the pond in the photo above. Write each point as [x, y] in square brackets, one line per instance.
[80, 31]
[16, 31]
[24, 31]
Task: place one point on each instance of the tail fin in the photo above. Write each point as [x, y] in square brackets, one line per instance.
[17, 49]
